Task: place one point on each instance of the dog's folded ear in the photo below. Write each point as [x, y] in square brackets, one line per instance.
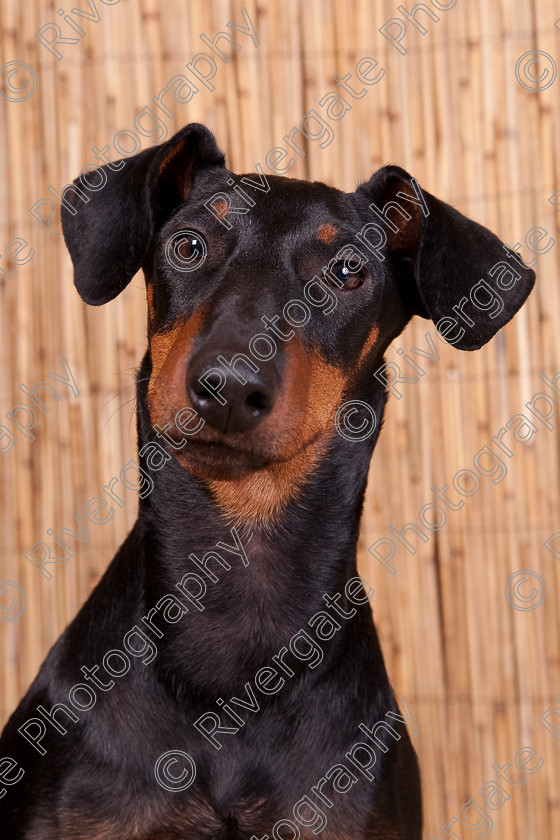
[448, 268]
[108, 226]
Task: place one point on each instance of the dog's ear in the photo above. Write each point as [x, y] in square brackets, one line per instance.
[110, 225]
[444, 261]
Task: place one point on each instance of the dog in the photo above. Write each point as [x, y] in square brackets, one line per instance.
[271, 302]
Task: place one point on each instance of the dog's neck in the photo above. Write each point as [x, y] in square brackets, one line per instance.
[316, 531]
[279, 578]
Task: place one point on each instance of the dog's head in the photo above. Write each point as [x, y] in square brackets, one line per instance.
[272, 300]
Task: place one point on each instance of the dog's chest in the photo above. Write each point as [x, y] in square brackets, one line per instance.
[266, 795]
[198, 818]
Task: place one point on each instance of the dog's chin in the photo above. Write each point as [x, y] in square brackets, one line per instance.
[218, 462]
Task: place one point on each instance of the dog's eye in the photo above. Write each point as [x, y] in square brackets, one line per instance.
[341, 277]
[186, 250]
[192, 248]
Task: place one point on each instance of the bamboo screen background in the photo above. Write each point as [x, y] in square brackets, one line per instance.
[476, 672]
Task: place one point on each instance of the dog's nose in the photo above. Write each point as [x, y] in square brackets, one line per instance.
[231, 397]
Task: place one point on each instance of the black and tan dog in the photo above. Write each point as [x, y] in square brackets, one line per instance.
[265, 468]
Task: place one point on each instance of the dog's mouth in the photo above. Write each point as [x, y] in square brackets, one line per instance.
[219, 461]
[211, 457]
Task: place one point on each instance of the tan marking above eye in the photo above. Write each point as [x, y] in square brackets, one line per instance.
[327, 233]
[220, 208]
